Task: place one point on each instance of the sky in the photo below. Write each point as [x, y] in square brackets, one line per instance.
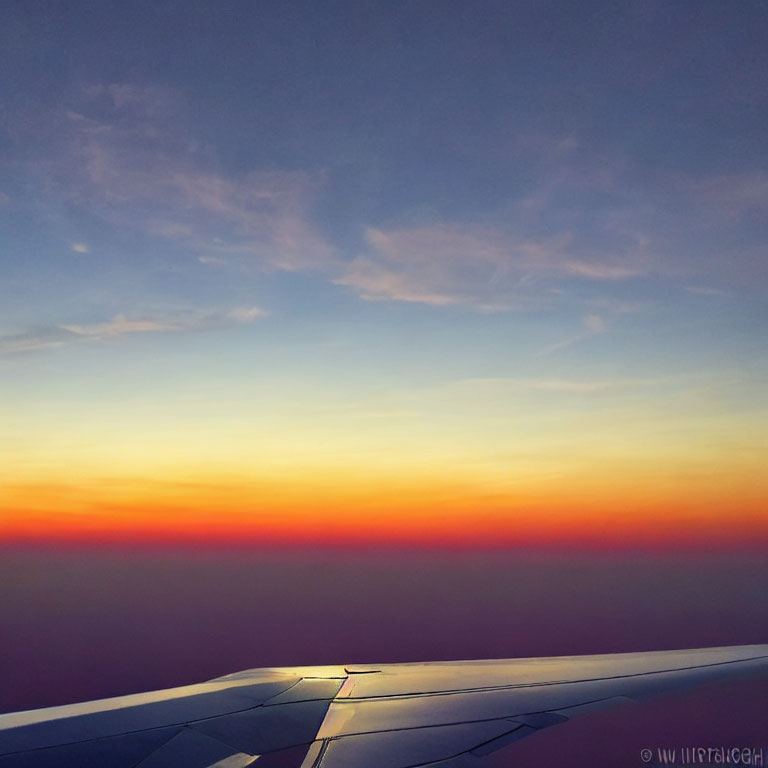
[435, 274]
[372, 332]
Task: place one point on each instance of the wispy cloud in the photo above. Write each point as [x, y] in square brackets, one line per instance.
[120, 325]
[588, 221]
[80, 247]
[618, 306]
[129, 159]
[132, 162]
[485, 267]
[597, 271]
[583, 219]
[216, 261]
[704, 290]
[592, 325]
[123, 325]
[482, 389]
[565, 386]
[246, 314]
[36, 339]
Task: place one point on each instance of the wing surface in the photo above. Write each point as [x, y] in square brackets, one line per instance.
[425, 715]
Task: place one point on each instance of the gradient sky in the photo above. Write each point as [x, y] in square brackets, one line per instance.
[432, 273]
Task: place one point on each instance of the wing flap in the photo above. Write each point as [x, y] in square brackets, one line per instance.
[267, 729]
[396, 749]
[195, 750]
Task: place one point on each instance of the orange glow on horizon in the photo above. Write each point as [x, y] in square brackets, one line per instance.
[408, 512]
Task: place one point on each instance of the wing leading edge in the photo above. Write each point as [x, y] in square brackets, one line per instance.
[436, 715]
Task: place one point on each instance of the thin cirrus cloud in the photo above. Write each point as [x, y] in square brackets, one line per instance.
[579, 225]
[708, 291]
[482, 266]
[129, 160]
[122, 325]
[592, 324]
[503, 386]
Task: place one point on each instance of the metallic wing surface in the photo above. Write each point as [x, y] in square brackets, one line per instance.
[425, 715]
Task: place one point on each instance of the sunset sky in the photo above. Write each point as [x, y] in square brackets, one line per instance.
[361, 273]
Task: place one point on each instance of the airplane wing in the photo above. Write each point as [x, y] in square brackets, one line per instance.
[436, 715]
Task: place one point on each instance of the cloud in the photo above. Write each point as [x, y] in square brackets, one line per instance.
[242, 315]
[569, 386]
[484, 389]
[587, 223]
[618, 306]
[36, 339]
[80, 248]
[378, 282]
[565, 386]
[597, 271]
[629, 219]
[592, 325]
[150, 100]
[122, 325]
[216, 261]
[485, 267]
[4, 198]
[129, 159]
[129, 155]
[702, 290]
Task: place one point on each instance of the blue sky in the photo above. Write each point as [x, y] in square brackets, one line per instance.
[570, 157]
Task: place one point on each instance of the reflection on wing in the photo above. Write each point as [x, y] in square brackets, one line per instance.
[442, 714]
